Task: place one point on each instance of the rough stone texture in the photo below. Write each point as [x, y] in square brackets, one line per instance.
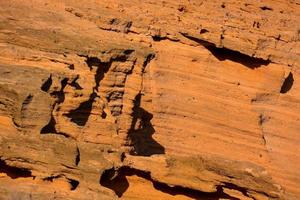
[149, 99]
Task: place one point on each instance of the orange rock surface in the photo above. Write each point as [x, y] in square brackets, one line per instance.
[170, 100]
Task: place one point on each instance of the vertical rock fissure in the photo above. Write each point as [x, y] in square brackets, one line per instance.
[77, 156]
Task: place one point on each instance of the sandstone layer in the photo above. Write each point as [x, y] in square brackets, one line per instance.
[149, 99]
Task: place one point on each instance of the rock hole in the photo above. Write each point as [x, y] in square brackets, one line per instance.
[71, 67]
[111, 180]
[182, 8]
[103, 115]
[14, 172]
[157, 38]
[287, 84]
[81, 114]
[256, 24]
[47, 84]
[50, 127]
[60, 95]
[93, 61]
[73, 184]
[203, 30]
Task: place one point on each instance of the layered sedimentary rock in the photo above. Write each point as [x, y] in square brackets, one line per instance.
[149, 100]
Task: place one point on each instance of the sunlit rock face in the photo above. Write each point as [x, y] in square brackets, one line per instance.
[149, 100]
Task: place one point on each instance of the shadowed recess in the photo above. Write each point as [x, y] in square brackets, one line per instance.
[158, 38]
[287, 84]
[60, 95]
[93, 61]
[14, 172]
[50, 127]
[227, 54]
[75, 85]
[59, 98]
[116, 180]
[77, 158]
[266, 8]
[47, 84]
[81, 114]
[141, 131]
[73, 184]
[147, 61]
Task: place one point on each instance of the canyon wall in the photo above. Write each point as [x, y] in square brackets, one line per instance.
[149, 99]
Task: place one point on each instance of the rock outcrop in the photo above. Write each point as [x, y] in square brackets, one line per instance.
[149, 99]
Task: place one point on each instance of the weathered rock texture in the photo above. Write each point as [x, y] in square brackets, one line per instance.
[149, 99]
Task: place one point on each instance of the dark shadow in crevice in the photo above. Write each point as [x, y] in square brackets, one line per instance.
[75, 85]
[203, 30]
[81, 114]
[141, 131]
[100, 72]
[14, 172]
[287, 84]
[50, 127]
[51, 178]
[227, 54]
[147, 61]
[71, 67]
[266, 8]
[116, 180]
[73, 184]
[93, 61]
[235, 56]
[128, 51]
[47, 84]
[233, 187]
[77, 157]
[60, 95]
[59, 98]
[158, 38]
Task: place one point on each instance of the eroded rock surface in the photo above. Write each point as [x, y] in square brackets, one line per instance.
[149, 99]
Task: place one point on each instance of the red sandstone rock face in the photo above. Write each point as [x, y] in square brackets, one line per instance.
[149, 100]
